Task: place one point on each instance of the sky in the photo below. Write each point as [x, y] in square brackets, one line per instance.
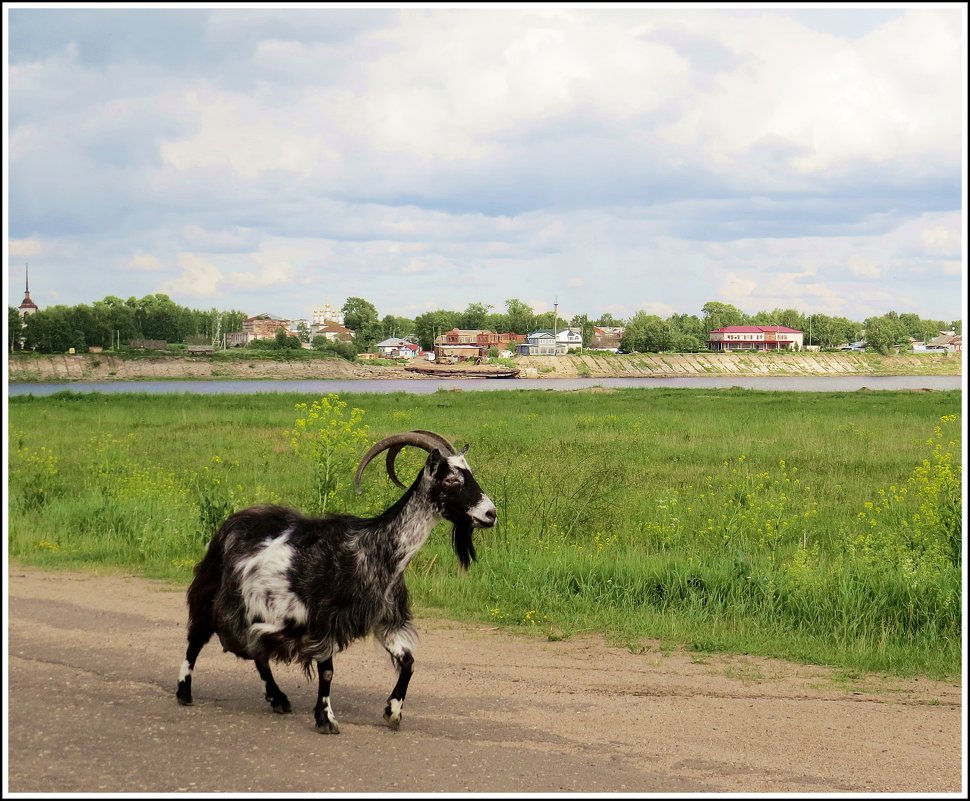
[611, 159]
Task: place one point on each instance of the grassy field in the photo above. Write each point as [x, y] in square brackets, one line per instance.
[813, 526]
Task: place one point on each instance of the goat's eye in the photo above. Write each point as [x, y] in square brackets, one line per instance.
[453, 480]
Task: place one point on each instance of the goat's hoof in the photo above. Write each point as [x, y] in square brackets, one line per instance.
[392, 714]
[281, 706]
[328, 727]
[183, 694]
[326, 722]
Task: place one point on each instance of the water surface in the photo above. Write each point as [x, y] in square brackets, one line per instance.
[424, 386]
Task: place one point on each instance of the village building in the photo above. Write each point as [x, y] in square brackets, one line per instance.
[328, 314]
[472, 343]
[396, 348]
[260, 326]
[755, 337]
[329, 322]
[332, 331]
[606, 337]
[546, 342]
[948, 341]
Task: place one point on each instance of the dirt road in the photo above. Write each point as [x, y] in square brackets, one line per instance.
[93, 662]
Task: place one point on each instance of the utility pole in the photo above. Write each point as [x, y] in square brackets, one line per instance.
[555, 319]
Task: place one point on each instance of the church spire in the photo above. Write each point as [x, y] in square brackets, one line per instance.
[27, 306]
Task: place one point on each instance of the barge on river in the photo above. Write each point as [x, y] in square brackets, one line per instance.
[461, 371]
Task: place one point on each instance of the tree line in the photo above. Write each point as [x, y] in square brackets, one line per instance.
[105, 323]
[644, 332]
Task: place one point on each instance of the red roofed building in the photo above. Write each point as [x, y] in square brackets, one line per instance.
[755, 337]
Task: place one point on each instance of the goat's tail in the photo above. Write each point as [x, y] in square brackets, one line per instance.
[207, 581]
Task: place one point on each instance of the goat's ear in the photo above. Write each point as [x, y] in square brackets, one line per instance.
[435, 458]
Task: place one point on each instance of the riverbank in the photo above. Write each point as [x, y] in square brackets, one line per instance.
[32, 368]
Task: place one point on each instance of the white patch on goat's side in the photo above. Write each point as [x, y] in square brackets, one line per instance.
[265, 587]
[185, 670]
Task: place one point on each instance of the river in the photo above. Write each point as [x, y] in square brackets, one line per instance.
[383, 386]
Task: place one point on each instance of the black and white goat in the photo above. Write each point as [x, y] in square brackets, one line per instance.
[275, 584]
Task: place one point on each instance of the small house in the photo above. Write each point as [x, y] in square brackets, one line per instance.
[545, 342]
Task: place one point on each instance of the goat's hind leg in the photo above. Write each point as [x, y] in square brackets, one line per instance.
[198, 636]
[323, 712]
[276, 697]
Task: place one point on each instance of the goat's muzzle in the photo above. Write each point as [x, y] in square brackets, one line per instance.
[483, 514]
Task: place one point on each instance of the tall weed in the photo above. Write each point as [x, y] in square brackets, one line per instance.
[331, 437]
[35, 472]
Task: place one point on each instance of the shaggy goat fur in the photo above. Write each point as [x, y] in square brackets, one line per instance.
[275, 584]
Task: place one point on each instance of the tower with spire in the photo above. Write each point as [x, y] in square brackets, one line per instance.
[27, 306]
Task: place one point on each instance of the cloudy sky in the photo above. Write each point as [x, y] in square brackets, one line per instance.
[611, 158]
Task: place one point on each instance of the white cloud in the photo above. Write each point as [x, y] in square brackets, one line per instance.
[20, 248]
[941, 241]
[861, 268]
[737, 290]
[658, 309]
[249, 137]
[144, 261]
[416, 266]
[271, 275]
[199, 278]
[199, 238]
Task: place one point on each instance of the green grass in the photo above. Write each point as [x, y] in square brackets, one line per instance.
[811, 526]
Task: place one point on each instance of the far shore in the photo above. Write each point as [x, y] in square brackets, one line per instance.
[33, 368]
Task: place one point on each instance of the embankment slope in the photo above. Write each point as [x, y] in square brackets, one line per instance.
[105, 367]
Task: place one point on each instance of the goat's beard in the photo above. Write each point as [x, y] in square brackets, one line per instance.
[461, 541]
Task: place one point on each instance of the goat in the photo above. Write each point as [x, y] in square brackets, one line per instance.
[277, 585]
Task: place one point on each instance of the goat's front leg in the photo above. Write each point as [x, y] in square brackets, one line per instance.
[398, 645]
[276, 697]
[322, 712]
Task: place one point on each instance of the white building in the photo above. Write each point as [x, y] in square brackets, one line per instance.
[547, 343]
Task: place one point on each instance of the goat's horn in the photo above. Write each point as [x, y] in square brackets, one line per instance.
[426, 440]
[446, 446]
